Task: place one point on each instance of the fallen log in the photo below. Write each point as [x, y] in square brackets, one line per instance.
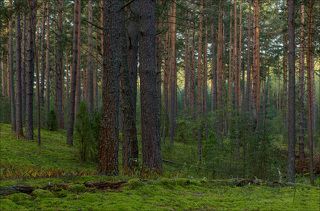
[4, 191]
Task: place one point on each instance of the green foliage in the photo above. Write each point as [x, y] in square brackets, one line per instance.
[52, 121]
[86, 133]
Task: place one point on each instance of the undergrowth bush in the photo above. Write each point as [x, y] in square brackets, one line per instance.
[86, 133]
[52, 121]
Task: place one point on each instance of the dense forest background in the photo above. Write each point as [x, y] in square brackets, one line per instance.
[210, 88]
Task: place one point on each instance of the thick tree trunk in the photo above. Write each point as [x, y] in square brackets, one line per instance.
[291, 94]
[89, 93]
[150, 101]
[19, 130]
[74, 72]
[11, 75]
[112, 57]
[128, 92]
[59, 68]
[30, 72]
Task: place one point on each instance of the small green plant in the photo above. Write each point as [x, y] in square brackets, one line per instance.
[86, 131]
[52, 121]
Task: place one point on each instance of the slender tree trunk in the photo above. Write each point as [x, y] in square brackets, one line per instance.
[187, 71]
[38, 90]
[192, 71]
[19, 130]
[291, 94]
[301, 88]
[231, 64]
[112, 58]
[256, 59]
[173, 74]
[74, 72]
[89, 97]
[79, 76]
[235, 59]
[249, 61]
[24, 56]
[220, 83]
[150, 101]
[48, 77]
[213, 69]
[30, 72]
[200, 80]
[11, 75]
[43, 64]
[240, 69]
[59, 68]
[310, 86]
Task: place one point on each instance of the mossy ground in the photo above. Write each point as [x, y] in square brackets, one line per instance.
[23, 162]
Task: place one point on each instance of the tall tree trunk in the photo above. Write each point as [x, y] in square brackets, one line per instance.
[30, 72]
[89, 97]
[231, 63]
[173, 74]
[291, 94]
[79, 76]
[74, 72]
[42, 49]
[192, 70]
[11, 75]
[310, 86]
[24, 57]
[48, 77]
[19, 130]
[59, 68]
[213, 69]
[128, 92]
[186, 70]
[235, 59]
[38, 90]
[301, 88]
[200, 80]
[249, 61]
[256, 60]
[112, 57]
[150, 100]
[240, 87]
[220, 77]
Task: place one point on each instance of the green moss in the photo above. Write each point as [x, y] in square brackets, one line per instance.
[77, 188]
[7, 204]
[39, 193]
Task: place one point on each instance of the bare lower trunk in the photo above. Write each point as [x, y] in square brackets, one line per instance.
[150, 101]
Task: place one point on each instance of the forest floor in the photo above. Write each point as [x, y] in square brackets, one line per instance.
[50, 177]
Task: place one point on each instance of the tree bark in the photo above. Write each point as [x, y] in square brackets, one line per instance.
[30, 72]
[11, 75]
[301, 89]
[89, 97]
[48, 77]
[249, 61]
[59, 68]
[256, 60]
[19, 129]
[42, 49]
[310, 86]
[74, 72]
[291, 94]
[112, 57]
[150, 100]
